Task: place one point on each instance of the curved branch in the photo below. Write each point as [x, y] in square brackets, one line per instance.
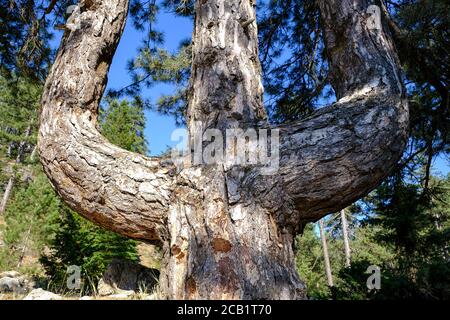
[345, 150]
[119, 190]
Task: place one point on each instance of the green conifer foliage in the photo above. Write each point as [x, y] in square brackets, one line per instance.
[123, 123]
[30, 224]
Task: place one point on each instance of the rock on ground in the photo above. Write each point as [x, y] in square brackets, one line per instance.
[11, 285]
[122, 277]
[41, 294]
[14, 282]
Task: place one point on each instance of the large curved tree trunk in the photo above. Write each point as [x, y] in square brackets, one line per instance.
[227, 230]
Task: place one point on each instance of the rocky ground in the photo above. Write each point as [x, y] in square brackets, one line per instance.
[122, 280]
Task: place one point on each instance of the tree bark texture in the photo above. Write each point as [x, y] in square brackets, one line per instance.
[227, 231]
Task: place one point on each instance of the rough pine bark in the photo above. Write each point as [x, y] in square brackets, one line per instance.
[227, 231]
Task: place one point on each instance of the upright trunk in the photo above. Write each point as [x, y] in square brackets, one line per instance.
[33, 154]
[346, 239]
[7, 194]
[326, 256]
[9, 150]
[10, 185]
[223, 246]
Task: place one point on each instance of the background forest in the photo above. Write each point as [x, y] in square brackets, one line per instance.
[402, 227]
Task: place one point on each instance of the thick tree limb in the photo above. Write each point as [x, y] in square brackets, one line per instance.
[345, 150]
[122, 191]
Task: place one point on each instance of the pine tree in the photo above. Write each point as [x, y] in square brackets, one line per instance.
[417, 227]
[30, 224]
[309, 262]
[18, 105]
[123, 123]
[296, 81]
[407, 236]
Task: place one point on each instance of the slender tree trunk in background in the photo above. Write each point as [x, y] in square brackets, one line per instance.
[7, 194]
[346, 239]
[24, 246]
[9, 150]
[10, 185]
[326, 256]
[33, 154]
[227, 231]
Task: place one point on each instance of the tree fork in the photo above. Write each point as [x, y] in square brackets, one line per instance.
[227, 233]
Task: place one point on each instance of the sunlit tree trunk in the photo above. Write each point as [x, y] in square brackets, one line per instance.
[346, 238]
[7, 194]
[326, 256]
[227, 231]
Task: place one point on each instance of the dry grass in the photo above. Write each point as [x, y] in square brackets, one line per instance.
[136, 296]
[11, 296]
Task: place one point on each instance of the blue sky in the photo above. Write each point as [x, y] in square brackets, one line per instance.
[159, 127]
